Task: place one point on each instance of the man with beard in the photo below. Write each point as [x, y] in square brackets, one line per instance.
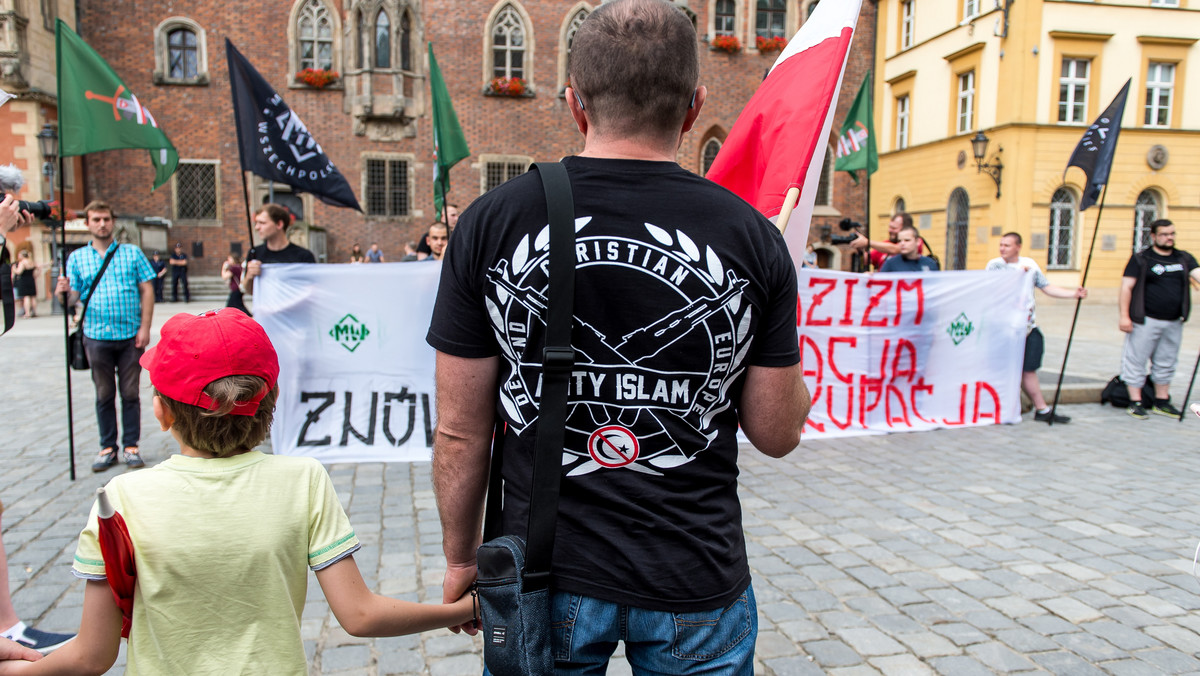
[1154, 303]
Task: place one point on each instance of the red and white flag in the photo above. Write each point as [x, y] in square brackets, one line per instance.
[779, 139]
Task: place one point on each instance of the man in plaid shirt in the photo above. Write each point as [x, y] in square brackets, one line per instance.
[116, 329]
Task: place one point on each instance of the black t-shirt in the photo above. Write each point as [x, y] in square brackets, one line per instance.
[680, 286]
[292, 253]
[1166, 282]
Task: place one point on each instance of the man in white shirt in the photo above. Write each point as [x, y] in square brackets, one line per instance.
[1010, 257]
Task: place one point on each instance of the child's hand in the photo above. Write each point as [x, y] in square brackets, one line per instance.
[466, 613]
[11, 650]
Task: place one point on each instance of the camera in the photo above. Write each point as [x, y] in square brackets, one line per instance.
[846, 225]
[40, 209]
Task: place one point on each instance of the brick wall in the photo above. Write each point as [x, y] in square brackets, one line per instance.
[199, 119]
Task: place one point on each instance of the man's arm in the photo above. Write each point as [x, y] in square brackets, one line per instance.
[885, 246]
[775, 403]
[466, 405]
[1124, 296]
[143, 333]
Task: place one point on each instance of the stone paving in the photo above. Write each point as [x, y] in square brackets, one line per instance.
[1006, 549]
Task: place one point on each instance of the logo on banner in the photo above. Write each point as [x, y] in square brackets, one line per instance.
[300, 146]
[960, 328]
[628, 411]
[349, 332]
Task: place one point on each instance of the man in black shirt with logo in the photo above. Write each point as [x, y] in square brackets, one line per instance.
[685, 327]
[1155, 302]
[271, 222]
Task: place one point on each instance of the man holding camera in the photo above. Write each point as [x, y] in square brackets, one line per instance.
[881, 250]
[116, 329]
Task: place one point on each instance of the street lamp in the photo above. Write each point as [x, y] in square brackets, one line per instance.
[48, 143]
[979, 149]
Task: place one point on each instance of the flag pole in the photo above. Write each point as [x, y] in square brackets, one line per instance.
[249, 219]
[445, 179]
[66, 297]
[789, 203]
[1078, 301]
[1183, 411]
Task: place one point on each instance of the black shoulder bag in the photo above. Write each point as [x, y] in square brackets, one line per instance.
[514, 580]
[76, 353]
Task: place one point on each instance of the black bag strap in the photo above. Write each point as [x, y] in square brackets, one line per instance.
[96, 282]
[558, 358]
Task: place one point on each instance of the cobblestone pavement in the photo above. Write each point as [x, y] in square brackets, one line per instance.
[1004, 549]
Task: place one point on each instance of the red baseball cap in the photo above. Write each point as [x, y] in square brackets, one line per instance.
[195, 350]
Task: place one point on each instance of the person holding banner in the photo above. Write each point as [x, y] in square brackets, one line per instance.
[685, 316]
[271, 222]
[1035, 345]
[1154, 302]
[910, 259]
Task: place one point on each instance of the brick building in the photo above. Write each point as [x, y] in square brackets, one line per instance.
[374, 119]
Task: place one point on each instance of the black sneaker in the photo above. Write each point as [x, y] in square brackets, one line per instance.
[42, 641]
[1135, 409]
[1045, 417]
[133, 459]
[1166, 409]
[106, 459]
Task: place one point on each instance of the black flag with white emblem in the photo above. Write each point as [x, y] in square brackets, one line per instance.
[1094, 154]
[274, 143]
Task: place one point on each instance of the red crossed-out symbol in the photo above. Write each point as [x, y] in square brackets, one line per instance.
[613, 446]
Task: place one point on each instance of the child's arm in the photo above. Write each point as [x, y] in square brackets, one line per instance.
[364, 613]
[94, 650]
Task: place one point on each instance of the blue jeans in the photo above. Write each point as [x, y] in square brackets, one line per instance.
[114, 360]
[585, 632]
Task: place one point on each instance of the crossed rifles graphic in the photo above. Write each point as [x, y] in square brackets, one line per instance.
[130, 107]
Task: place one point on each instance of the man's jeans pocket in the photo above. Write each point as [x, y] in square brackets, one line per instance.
[704, 635]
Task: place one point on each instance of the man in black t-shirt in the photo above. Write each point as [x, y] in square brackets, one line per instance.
[179, 273]
[1154, 303]
[271, 222]
[685, 327]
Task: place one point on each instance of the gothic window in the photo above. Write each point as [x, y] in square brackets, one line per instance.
[405, 42]
[825, 182]
[383, 40]
[182, 55]
[508, 44]
[314, 36]
[711, 147]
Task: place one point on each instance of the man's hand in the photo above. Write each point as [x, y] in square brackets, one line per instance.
[253, 269]
[1081, 293]
[1126, 325]
[10, 216]
[142, 340]
[860, 242]
[11, 650]
[458, 581]
[64, 286]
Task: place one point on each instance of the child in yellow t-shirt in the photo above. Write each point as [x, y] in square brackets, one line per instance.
[224, 536]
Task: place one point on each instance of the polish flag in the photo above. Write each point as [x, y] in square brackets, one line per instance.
[779, 139]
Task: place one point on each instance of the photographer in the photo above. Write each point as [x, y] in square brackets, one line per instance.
[882, 250]
[13, 213]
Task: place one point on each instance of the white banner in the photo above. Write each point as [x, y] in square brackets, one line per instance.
[355, 373]
[907, 352]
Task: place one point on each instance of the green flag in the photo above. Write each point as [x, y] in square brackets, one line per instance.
[856, 142]
[96, 112]
[449, 144]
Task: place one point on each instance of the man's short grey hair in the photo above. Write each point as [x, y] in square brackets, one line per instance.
[11, 179]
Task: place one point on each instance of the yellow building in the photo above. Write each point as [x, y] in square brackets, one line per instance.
[1032, 75]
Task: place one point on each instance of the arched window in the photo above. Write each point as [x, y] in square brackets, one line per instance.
[179, 53]
[725, 17]
[1145, 212]
[811, 6]
[825, 183]
[182, 57]
[363, 51]
[405, 41]
[770, 19]
[899, 207]
[574, 21]
[1061, 246]
[709, 155]
[383, 40]
[314, 36]
[508, 44]
[958, 222]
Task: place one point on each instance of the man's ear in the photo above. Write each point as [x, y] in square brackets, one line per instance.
[577, 111]
[163, 414]
[693, 112]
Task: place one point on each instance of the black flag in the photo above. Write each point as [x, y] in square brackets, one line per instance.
[274, 144]
[1094, 154]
